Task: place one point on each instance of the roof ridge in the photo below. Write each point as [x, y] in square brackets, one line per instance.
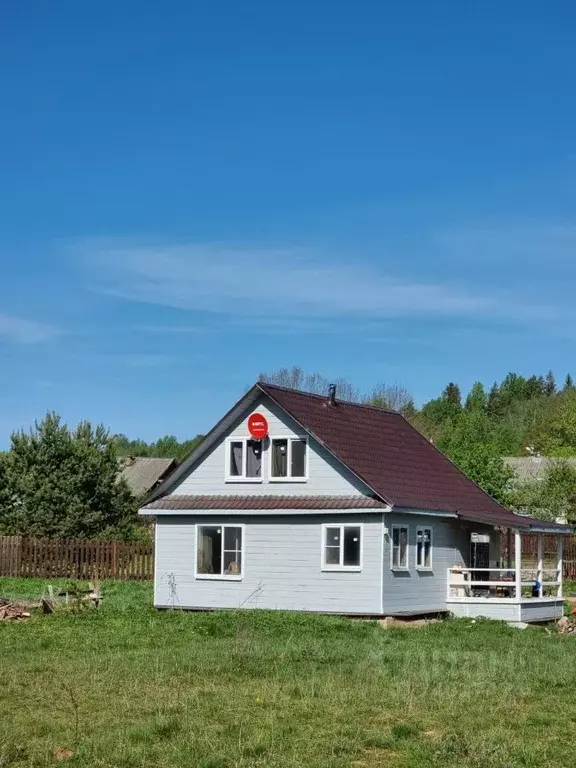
[315, 395]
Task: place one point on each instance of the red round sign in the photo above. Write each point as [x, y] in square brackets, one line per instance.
[257, 426]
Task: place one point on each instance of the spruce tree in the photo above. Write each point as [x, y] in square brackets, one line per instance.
[550, 387]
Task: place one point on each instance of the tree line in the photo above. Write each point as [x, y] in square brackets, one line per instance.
[168, 447]
[63, 482]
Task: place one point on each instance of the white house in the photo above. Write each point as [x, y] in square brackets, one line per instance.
[302, 502]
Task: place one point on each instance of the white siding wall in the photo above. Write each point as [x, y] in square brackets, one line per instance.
[326, 477]
[425, 591]
[421, 591]
[282, 566]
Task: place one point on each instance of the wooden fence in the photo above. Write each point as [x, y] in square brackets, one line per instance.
[76, 558]
[530, 551]
[89, 559]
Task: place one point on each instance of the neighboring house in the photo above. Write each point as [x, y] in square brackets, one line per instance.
[340, 508]
[144, 474]
[531, 469]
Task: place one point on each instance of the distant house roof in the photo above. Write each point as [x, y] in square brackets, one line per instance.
[143, 474]
[398, 465]
[533, 468]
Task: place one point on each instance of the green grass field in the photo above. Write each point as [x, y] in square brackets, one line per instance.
[127, 686]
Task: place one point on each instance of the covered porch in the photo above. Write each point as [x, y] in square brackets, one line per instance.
[509, 588]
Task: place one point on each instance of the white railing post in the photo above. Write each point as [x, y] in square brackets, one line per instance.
[449, 584]
[560, 563]
[518, 562]
[540, 572]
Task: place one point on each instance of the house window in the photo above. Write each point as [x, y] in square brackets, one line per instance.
[288, 458]
[399, 551]
[424, 547]
[244, 460]
[219, 551]
[342, 548]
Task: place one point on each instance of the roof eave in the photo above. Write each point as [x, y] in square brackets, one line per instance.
[299, 511]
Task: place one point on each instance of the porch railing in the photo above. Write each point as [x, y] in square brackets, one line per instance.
[479, 582]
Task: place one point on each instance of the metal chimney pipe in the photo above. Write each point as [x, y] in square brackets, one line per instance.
[332, 394]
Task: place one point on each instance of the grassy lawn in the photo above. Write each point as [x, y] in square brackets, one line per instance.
[126, 686]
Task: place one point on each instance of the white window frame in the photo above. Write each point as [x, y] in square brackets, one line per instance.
[291, 439]
[341, 567]
[220, 576]
[228, 478]
[392, 565]
[422, 567]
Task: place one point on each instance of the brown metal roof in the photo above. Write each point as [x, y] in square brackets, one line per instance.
[394, 460]
[176, 502]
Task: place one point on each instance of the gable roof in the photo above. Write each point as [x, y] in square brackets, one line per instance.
[396, 463]
[143, 473]
[385, 451]
[534, 468]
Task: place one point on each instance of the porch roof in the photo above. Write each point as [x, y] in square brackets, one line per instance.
[528, 524]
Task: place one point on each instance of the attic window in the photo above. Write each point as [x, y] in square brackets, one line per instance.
[288, 458]
[244, 460]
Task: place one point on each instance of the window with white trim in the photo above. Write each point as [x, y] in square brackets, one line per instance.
[288, 458]
[399, 549]
[243, 459]
[342, 547]
[219, 551]
[423, 547]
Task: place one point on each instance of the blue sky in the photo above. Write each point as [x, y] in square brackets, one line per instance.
[191, 193]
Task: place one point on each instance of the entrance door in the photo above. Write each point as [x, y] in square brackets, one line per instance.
[480, 558]
[480, 551]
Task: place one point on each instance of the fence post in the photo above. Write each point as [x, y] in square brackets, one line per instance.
[114, 559]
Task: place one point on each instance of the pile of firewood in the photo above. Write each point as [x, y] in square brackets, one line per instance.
[13, 611]
[566, 626]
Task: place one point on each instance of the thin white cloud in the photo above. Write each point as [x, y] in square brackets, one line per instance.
[524, 244]
[196, 330]
[119, 360]
[286, 284]
[375, 331]
[21, 331]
